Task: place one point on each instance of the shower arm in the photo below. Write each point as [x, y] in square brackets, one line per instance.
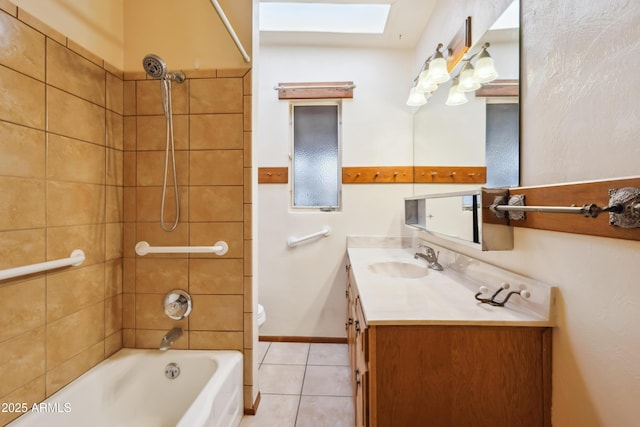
[232, 33]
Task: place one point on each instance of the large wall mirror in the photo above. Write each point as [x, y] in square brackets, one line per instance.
[484, 131]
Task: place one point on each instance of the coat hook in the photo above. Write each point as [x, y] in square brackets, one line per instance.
[269, 174]
[452, 174]
[358, 174]
[434, 173]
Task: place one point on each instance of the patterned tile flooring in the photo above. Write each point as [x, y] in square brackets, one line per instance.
[303, 385]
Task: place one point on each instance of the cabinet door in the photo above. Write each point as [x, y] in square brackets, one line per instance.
[351, 341]
[362, 401]
[350, 295]
[361, 367]
[361, 336]
[480, 376]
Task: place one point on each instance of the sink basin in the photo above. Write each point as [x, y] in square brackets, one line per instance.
[398, 269]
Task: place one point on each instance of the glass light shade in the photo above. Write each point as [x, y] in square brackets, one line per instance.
[424, 84]
[455, 96]
[467, 81]
[485, 70]
[416, 98]
[438, 72]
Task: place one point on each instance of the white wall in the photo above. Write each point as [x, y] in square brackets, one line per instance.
[302, 289]
[580, 121]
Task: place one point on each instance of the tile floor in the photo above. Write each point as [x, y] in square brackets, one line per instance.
[303, 385]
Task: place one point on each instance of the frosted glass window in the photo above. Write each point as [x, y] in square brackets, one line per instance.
[503, 145]
[316, 156]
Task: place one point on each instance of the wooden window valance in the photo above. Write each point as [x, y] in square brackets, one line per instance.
[315, 90]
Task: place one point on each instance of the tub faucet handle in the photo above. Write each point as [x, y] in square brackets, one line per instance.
[177, 304]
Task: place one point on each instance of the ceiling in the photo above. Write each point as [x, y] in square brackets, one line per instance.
[406, 22]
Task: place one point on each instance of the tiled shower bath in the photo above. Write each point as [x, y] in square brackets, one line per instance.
[211, 115]
[82, 148]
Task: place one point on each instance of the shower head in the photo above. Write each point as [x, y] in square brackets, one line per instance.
[154, 66]
[157, 68]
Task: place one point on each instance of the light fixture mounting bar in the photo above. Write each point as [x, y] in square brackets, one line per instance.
[459, 44]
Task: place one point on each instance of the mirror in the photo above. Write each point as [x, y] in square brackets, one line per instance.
[458, 217]
[451, 214]
[485, 130]
[482, 132]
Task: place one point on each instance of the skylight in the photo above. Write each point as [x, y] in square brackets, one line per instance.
[324, 17]
[510, 18]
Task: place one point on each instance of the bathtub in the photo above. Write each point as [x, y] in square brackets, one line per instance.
[131, 388]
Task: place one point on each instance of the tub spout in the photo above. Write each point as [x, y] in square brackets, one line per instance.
[170, 337]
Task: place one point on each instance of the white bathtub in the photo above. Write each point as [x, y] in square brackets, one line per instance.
[131, 389]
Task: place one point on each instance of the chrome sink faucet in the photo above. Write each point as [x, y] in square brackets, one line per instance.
[430, 256]
[170, 337]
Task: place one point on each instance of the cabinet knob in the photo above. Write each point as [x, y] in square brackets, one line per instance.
[348, 323]
[357, 372]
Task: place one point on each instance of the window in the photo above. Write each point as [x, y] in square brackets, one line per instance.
[503, 145]
[316, 171]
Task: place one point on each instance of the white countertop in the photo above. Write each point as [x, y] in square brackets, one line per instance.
[439, 298]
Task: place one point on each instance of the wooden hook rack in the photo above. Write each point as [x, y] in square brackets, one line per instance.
[390, 174]
[377, 174]
[451, 174]
[273, 175]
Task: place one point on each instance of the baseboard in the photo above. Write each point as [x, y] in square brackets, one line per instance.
[254, 408]
[315, 340]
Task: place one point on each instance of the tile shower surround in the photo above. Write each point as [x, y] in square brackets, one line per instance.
[81, 166]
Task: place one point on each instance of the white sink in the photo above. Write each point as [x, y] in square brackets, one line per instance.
[398, 269]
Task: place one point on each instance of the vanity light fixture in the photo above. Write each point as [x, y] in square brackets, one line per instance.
[468, 82]
[470, 79]
[433, 72]
[424, 83]
[485, 70]
[416, 98]
[456, 97]
[436, 69]
[438, 72]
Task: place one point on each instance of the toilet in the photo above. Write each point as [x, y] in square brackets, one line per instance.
[262, 317]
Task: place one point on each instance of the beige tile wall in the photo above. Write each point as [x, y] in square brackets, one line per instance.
[81, 162]
[61, 181]
[212, 130]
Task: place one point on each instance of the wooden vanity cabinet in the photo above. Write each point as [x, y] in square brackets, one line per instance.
[357, 339]
[448, 375]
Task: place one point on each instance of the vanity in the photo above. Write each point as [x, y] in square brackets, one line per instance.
[425, 352]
